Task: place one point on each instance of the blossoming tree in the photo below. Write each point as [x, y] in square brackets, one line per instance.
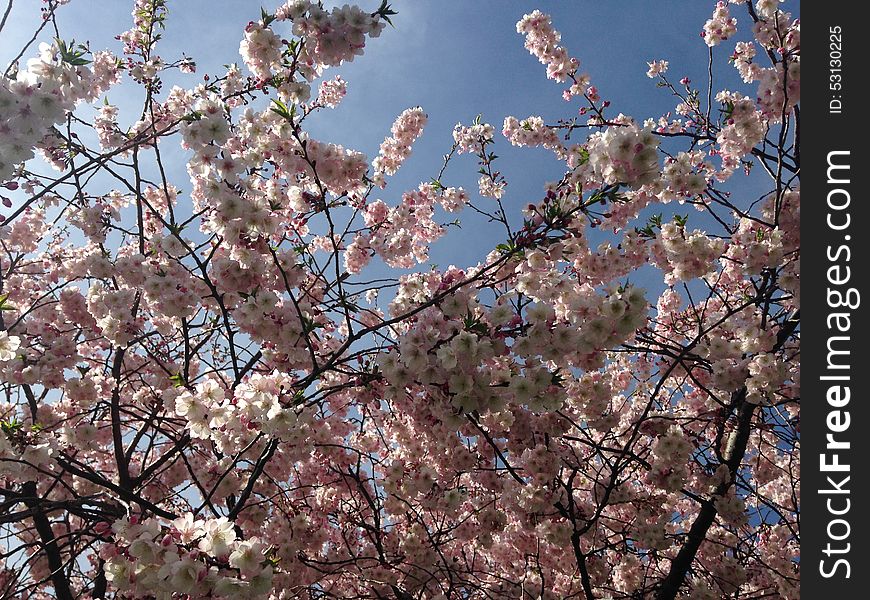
[207, 394]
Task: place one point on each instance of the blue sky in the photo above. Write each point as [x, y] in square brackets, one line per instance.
[454, 58]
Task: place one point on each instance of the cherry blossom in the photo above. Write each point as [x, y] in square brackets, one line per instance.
[251, 382]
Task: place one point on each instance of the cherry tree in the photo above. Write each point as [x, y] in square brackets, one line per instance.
[218, 393]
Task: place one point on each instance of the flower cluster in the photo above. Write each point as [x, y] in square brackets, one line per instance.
[261, 50]
[106, 126]
[112, 309]
[756, 246]
[333, 37]
[268, 137]
[686, 175]
[542, 41]
[201, 558]
[490, 187]
[231, 419]
[247, 386]
[147, 14]
[472, 139]
[52, 84]
[720, 26]
[656, 68]
[395, 149]
[531, 132]
[766, 375]
[401, 235]
[670, 452]
[331, 92]
[744, 53]
[169, 289]
[9, 345]
[744, 129]
[340, 169]
[779, 85]
[624, 154]
[685, 255]
[211, 128]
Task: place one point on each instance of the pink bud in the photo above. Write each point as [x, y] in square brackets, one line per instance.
[107, 551]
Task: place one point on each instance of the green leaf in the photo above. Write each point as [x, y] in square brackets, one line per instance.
[193, 116]
[267, 18]
[281, 110]
[10, 427]
[71, 55]
[309, 326]
[385, 11]
[507, 248]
